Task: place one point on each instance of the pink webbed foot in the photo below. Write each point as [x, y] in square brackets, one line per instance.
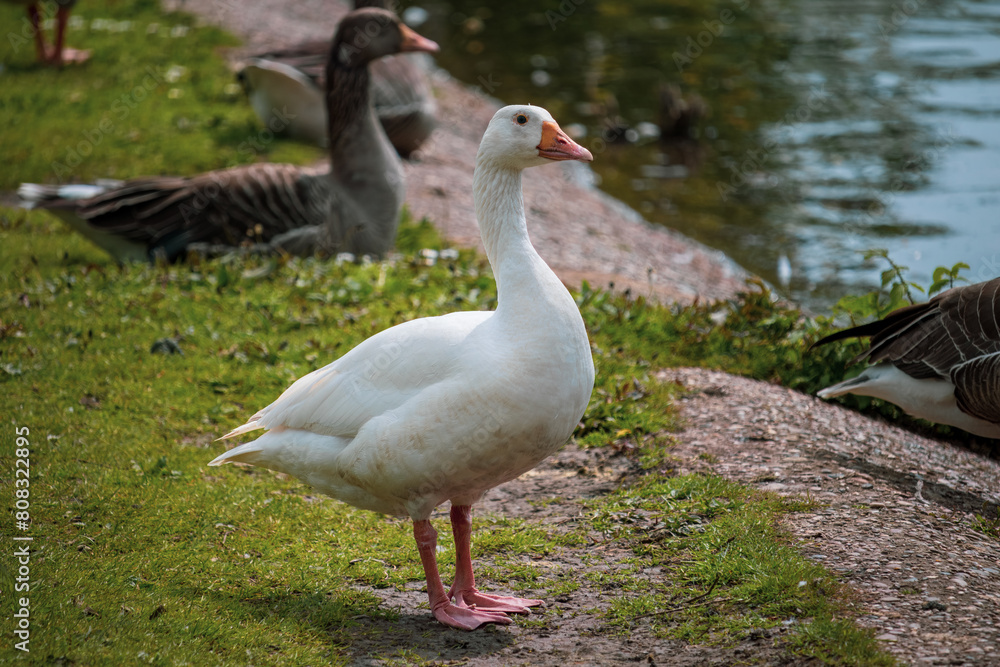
[468, 618]
[72, 56]
[67, 56]
[494, 603]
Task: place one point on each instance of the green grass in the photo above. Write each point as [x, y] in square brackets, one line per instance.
[141, 545]
[142, 554]
[727, 569]
[156, 97]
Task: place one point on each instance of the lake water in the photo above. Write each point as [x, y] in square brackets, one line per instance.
[830, 127]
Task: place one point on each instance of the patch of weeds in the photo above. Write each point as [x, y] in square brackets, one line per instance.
[412, 237]
[728, 568]
[537, 621]
[624, 580]
[838, 641]
[619, 409]
[546, 502]
[407, 658]
[507, 570]
[564, 586]
[988, 525]
[654, 452]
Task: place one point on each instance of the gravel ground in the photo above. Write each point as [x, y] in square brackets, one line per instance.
[896, 516]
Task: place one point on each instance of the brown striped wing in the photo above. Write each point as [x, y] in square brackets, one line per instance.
[951, 329]
[977, 387]
[227, 207]
[928, 340]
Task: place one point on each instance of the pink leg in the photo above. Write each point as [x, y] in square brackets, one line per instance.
[463, 618]
[36, 25]
[63, 54]
[464, 589]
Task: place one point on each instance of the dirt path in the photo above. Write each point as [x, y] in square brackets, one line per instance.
[570, 630]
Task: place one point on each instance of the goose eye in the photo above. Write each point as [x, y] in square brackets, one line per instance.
[520, 119]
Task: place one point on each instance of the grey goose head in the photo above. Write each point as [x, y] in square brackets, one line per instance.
[370, 33]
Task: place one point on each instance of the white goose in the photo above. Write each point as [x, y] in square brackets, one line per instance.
[445, 408]
[939, 360]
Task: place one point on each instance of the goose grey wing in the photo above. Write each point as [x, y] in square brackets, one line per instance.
[255, 203]
[977, 387]
[950, 329]
[308, 57]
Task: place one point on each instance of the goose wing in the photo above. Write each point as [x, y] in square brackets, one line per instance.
[228, 207]
[309, 58]
[977, 387]
[928, 340]
[377, 376]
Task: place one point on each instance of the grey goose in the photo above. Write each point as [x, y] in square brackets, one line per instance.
[938, 360]
[353, 206]
[283, 87]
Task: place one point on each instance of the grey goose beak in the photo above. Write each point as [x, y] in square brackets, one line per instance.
[414, 42]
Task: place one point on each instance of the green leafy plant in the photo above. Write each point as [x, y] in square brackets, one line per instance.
[945, 277]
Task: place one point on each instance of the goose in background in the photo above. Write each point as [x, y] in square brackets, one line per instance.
[938, 360]
[445, 408]
[679, 115]
[285, 88]
[352, 206]
[59, 53]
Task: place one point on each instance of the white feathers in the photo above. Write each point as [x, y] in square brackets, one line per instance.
[444, 407]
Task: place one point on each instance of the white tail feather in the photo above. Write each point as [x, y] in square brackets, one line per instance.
[239, 454]
[251, 425]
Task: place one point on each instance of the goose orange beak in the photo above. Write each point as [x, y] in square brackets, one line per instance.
[414, 42]
[555, 145]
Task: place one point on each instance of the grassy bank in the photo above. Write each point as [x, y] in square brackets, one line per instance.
[140, 544]
[155, 98]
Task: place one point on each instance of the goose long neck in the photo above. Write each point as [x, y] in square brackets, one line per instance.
[346, 99]
[500, 211]
[357, 140]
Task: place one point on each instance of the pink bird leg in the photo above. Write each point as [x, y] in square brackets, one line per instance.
[464, 589]
[36, 25]
[63, 54]
[461, 617]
